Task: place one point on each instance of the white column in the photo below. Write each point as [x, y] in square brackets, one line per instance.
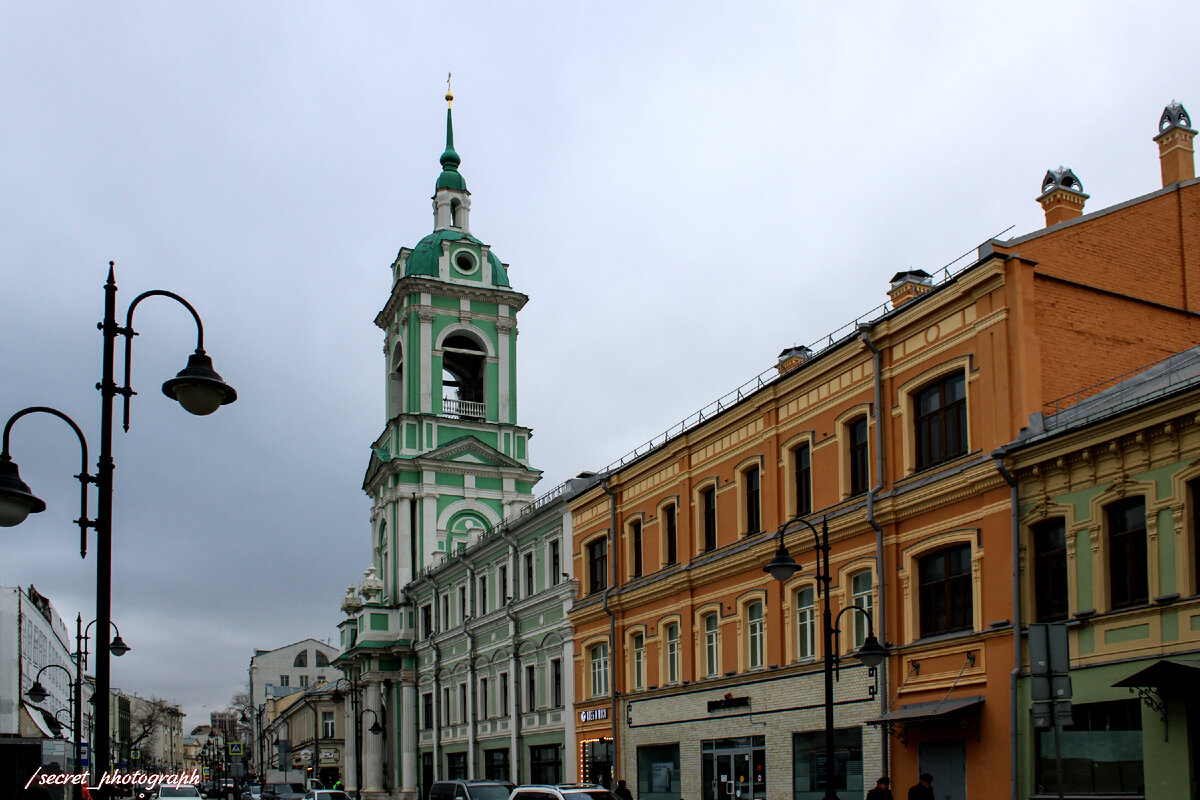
[372, 742]
[401, 543]
[504, 328]
[429, 526]
[426, 316]
[408, 738]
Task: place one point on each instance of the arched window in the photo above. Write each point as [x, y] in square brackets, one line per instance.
[945, 590]
[463, 367]
[301, 659]
[1128, 568]
[671, 633]
[806, 625]
[712, 646]
[396, 383]
[863, 597]
[321, 660]
[598, 661]
[1050, 569]
[639, 661]
[754, 637]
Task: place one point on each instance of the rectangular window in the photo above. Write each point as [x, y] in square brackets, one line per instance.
[545, 764]
[1102, 751]
[503, 585]
[462, 603]
[859, 469]
[445, 715]
[327, 727]
[1050, 569]
[751, 490]
[463, 706]
[1128, 573]
[863, 597]
[426, 621]
[597, 565]
[672, 653]
[669, 524]
[945, 590]
[598, 658]
[635, 533]
[708, 504]
[754, 618]
[530, 688]
[283, 680]
[712, 646]
[529, 587]
[495, 764]
[658, 775]
[303, 680]
[802, 471]
[639, 661]
[456, 766]
[556, 681]
[483, 712]
[483, 598]
[504, 696]
[427, 711]
[810, 766]
[940, 415]
[445, 612]
[806, 629]
[555, 562]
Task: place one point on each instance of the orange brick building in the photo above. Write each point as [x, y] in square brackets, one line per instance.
[700, 676]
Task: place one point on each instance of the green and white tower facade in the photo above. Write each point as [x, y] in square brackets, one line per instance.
[452, 460]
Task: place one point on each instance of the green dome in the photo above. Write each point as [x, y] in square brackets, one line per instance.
[451, 179]
[423, 260]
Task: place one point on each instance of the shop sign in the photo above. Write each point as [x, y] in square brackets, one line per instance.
[727, 702]
[593, 714]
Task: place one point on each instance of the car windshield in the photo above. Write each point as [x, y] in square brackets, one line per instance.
[490, 791]
[592, 794]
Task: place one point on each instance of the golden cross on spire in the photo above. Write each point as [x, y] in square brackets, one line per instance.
[449, 94]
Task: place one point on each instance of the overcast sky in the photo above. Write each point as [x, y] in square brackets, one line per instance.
[682, 189]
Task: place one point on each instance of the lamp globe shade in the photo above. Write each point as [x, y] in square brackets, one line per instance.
[118, 647]
[782, 566]
[872, 653]
[37, 693]
[198, 387]
[16, 501]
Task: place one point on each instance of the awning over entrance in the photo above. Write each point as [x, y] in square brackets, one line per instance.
[1169, 674]
[915, 712]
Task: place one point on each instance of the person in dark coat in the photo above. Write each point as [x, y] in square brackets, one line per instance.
[622, 791]
[882, 790]
[923, 789]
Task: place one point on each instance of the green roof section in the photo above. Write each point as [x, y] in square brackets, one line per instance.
[423, 260]
[450, 178]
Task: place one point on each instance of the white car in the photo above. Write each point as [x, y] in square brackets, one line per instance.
[326, 794]
[178, 791]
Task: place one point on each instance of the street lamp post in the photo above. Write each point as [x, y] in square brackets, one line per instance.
[872, 653]
[37, 693]
[375, 728]
[197, 387]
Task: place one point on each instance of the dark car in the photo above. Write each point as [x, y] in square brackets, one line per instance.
[282, 791]
[470, 790]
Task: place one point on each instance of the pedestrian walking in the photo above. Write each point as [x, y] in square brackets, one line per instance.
[882, 790]
[922, 789]
[622, 791]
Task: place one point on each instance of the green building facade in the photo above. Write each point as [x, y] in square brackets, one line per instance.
[1108, 503]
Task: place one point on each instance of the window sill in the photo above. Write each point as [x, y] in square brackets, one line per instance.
[944, 637]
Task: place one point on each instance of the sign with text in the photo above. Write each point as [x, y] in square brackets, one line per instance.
[593, 714]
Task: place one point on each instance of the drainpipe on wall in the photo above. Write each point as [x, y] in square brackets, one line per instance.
[514, 705]
[881, 615]
[612, 630]
[1016, 621]
[437, 708]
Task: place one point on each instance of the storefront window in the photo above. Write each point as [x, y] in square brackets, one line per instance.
[1101, 752]
[734, 769]
[495, 764]
[545, 764]
[810, 765]
[658, 772]
[456, 766]
[596, 762]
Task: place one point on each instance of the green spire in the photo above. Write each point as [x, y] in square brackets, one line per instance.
[450, 177]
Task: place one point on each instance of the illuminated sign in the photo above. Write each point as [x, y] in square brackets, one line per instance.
[593, 714]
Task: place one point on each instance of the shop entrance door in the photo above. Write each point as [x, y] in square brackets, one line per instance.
[734, 772]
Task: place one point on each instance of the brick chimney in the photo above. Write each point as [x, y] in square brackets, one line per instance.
[1062, 196]
[1174, 139]
[909, 285]
[791, 358]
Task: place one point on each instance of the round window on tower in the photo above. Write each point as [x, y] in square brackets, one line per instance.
[465, 262]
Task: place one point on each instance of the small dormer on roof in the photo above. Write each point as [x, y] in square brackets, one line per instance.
[1062, 195]
[791, 358]
[909, 285]
[451, 200]
[1174, 138]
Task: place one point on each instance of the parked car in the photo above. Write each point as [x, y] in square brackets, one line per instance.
[326, 794]
[165, 792]
[252, 791]
[470, 790]
[283, 791]
[563, 791]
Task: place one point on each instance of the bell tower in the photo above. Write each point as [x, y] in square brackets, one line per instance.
[452, 460]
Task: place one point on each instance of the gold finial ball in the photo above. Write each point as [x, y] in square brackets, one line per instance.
[449, 96]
